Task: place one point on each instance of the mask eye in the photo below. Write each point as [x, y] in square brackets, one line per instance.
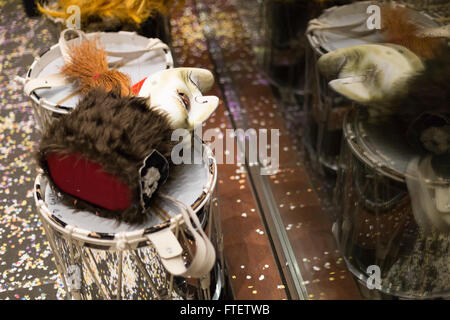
[185, 99]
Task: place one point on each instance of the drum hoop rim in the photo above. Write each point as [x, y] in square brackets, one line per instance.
[51, 106]
[383, 169]
[357, 151]
[362, 278]
[316, 45]
[134, 237]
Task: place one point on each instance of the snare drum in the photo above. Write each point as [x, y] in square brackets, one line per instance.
[132, 54]
[99, 258]
[338, 27]
[376, 225]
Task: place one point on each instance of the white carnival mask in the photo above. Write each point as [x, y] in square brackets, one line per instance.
[370, 74]
[179, 92]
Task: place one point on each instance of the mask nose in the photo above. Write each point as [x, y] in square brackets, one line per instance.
[201, 109]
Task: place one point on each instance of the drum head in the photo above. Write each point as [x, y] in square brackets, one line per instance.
[145, 65]
[187, 184]
[382, 146]
[354, 14]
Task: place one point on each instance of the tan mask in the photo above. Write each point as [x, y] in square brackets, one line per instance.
[370, 74]
[179, 92]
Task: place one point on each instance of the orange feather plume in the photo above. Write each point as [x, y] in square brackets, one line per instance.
[398, 27]
[88, 66]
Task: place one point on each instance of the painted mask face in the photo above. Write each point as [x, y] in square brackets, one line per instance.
[179, 92]
[370, 74]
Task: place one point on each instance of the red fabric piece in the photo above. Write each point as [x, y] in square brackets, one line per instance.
[137, 86]
[86, 180]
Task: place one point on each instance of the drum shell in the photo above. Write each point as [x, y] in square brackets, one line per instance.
[375, 226]
[104, 264]
[324, 111]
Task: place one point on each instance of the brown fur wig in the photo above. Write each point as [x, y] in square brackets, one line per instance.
[398, 28]
[123, 11]
[426, 104]
[117, 133]
[88, 66]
